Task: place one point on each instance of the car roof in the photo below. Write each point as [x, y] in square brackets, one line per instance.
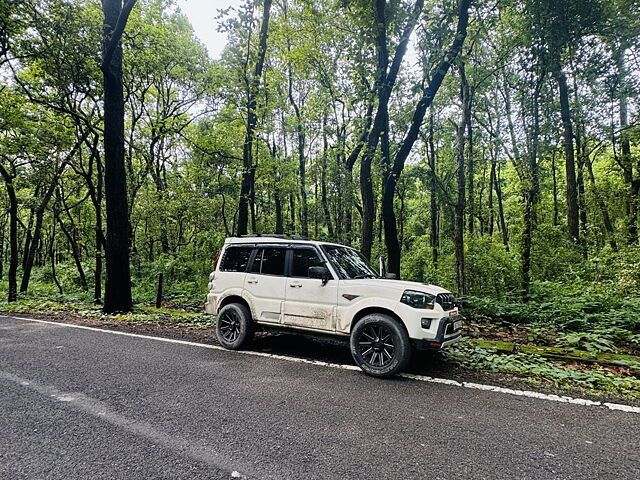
[276, 239]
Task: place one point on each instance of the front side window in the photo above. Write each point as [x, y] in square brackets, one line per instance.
[303, 258]
[349, 262]
[235, 259]
[269, 261]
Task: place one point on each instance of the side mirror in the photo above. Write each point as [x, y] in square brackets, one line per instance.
[391, 276]
[321, 273]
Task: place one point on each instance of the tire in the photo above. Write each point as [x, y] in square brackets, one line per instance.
[380, 345]
[234, 326]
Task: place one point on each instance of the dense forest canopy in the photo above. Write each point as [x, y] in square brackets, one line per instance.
[491, 147]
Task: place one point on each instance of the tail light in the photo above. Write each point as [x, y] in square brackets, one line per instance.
[215, 264]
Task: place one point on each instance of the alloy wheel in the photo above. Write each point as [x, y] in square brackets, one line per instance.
[229, 325]
[377, 346]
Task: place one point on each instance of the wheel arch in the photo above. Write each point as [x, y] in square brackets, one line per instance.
[370, 310]
[233, 299]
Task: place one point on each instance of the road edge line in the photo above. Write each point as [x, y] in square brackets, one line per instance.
[409, 376]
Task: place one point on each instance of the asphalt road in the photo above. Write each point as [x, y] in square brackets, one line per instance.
[84, 404]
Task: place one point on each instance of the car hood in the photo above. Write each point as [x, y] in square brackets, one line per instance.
[399, 285]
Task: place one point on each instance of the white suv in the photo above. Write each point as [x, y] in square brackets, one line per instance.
[294, 283]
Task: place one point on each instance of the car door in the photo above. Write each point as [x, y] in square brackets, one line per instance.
[265, 283]
[309, 302]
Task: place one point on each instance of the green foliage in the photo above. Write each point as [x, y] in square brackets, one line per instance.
[595, 381]
[492, 271]
[589, 341]
[585, 316]
[554, 256]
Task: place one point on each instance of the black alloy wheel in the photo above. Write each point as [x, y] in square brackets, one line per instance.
[380, 345]
[376, 345]
[234, 326]
[229, 325]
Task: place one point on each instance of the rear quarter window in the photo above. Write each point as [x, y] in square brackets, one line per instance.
[235, 259]
[269, 261]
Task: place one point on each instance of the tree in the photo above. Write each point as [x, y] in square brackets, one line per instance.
[557, 24]
[247, 189]
[118, 285]
[428, 94]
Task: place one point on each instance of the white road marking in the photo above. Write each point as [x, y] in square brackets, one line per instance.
[419, 378]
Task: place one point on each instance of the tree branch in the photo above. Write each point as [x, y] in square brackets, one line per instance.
[116, 35]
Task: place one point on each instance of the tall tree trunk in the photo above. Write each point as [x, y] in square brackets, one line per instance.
[95, 190]
[159, 290]
[118, 284]
[52, 256]
[383, 93]
[556, 212]
[467, 100]
[75, 251]
[348, 207]
[292, 213]
[247, 193]
[428, 94]
[100, 240]
[492, 181]
[277, 192]
[503, 223]
[433, 198]
[570, 164]
[279, 219]
[12, 293]
[458, 232]
[323, 181]
[532, 192]
[302, 168]
[604, 210]
[349, 194]
[28, 236]
[633, 187]
[385, 80]
[581, 152]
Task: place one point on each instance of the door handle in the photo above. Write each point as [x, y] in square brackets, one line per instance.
[295, 285]
[252, 280]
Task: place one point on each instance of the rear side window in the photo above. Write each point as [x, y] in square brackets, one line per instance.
[269, 261]
[235, 259]
[303, 258]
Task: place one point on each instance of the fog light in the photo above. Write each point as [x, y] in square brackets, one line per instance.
[426, 323]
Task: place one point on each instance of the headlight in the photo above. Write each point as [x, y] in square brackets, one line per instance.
[418, 299]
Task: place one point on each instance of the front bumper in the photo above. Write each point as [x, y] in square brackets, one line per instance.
[447, 334]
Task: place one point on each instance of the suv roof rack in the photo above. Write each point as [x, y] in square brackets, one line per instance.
[288, 236]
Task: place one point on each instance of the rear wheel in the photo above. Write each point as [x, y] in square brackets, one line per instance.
[380, 345]
[234, 326]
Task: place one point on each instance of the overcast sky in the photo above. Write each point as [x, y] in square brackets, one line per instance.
[202, 15]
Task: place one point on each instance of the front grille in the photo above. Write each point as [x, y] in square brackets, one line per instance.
[446, 300]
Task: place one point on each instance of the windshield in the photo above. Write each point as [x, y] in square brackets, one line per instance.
[349, 262]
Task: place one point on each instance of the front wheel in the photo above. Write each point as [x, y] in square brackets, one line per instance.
[234, 326]
[380, 345]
